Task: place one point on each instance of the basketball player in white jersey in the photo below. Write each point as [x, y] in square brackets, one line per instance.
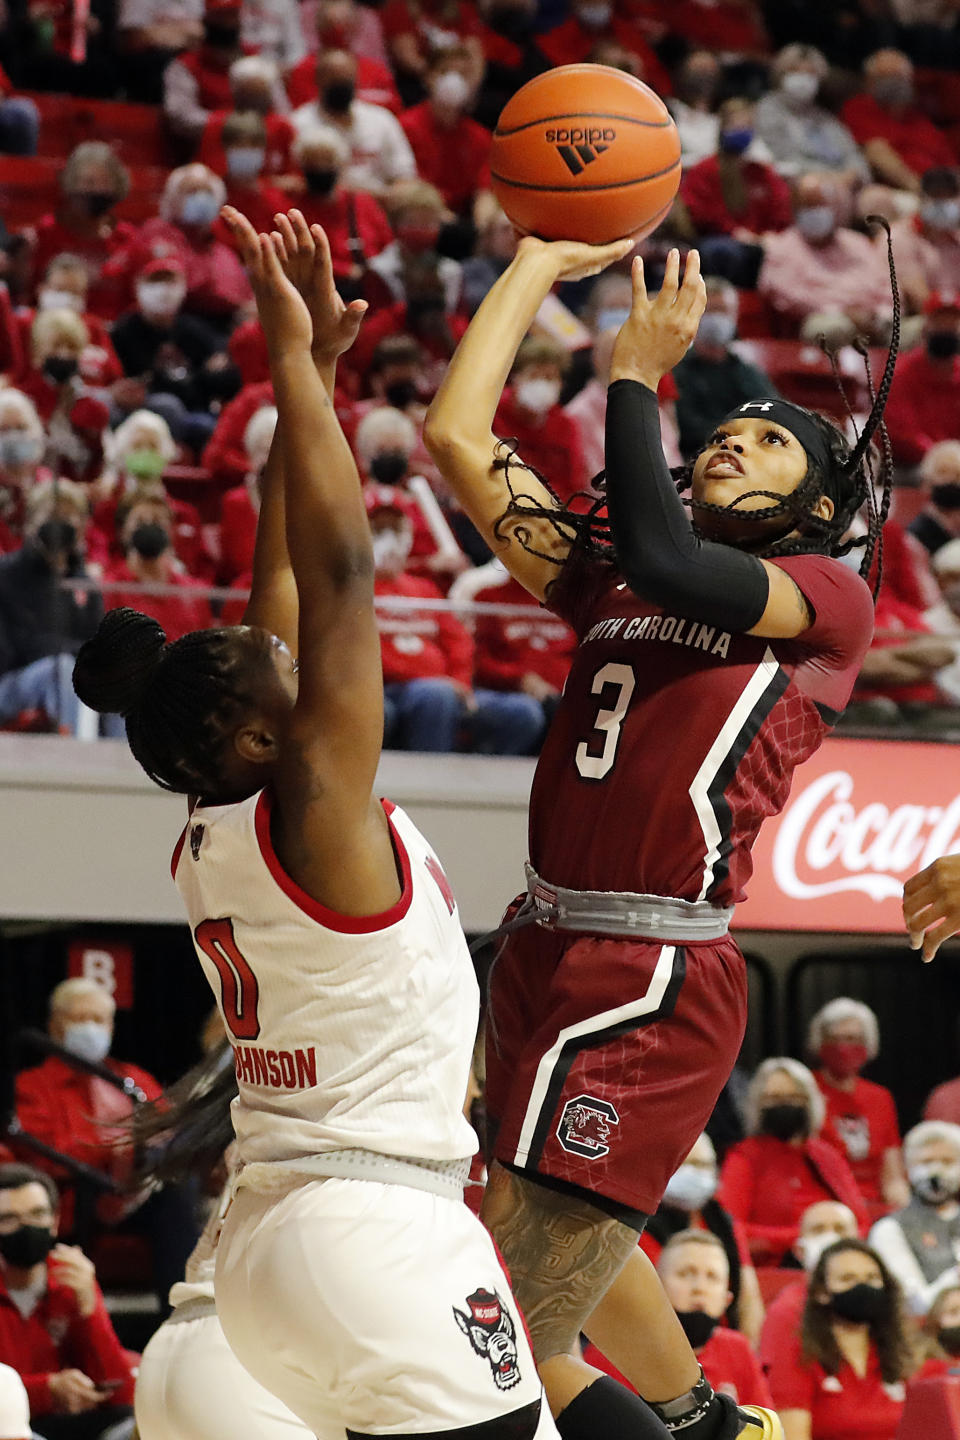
[351, 1279]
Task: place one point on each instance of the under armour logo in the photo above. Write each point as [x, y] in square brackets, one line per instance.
[757, 405]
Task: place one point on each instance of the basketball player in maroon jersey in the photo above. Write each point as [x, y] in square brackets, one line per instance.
[713, 657]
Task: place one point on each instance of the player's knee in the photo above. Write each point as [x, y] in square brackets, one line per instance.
[530, 1422]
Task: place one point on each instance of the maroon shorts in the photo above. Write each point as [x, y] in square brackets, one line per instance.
[605, 1057]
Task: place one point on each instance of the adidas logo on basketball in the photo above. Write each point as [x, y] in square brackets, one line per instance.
[578, 148]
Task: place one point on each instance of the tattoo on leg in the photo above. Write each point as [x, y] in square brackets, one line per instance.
[562, 1254]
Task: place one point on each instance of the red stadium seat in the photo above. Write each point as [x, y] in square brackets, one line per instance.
[802, 373]
[136, 132]
[29, 187]
[932, 1411]
[772, 1280]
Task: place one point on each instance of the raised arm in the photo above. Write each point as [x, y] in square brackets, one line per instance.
[330, 835]
[458, 430]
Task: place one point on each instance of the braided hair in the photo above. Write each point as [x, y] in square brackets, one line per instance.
[187, 1129]
[850, 481]
[181, 701]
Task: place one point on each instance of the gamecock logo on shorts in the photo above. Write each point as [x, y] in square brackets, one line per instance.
[490, 1329]
[196, 840]
[584, 1127]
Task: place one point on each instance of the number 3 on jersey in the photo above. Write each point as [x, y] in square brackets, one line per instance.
[239, 991]
[608, 722]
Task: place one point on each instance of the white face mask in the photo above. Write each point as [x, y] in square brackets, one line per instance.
[538, 395]
[50, 299]
[935, 1183]
[799, 85]
[160, 297]
[391, 550]
[88, 1040]
[612, 317]
[595, 16]
[244, 162]
[816, 222]
[451, 88]
[810, 1247]
[690, 1187]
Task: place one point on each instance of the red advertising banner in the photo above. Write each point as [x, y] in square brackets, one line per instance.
[109, 963]
[863, 816]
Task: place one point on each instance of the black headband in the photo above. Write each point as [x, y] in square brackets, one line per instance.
[795, 419]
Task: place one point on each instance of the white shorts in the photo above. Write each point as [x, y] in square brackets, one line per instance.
[376, 1309]
[191, 1386]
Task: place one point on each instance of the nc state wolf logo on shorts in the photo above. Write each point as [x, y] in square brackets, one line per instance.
[584, 1127]
[490, 1329]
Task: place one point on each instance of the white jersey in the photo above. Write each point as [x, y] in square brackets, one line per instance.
[348, 1033]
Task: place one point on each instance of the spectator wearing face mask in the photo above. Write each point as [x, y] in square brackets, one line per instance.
[595, 22]
[196, 83]
[692, 107]
[417, 213]
[345, 25]
[712, 379]
[379, 152]
[74, 414]
[92, 182]
[151, 33]
[844, 1376]
[921, 1242]
[861, 1115]
[588, 411]
[240, 509]
[898, 139]
[927, 245]
[922, 409]
[243, 137]
[255, 91]
[690, 1203]
[821, 1225]
[732, 202]
[939, 521]
[940, 1335]
[511, 53]
[800, 134]
[42, 625]
[64, 286]
[495, 248]
[429, 699]
[175, 361]
[822, 277]
[415, 30]
[21, 451]
[783, 1165]
[354, 222]
[145, 526]
[424, 315]
[217, 285]
[54, 1326]
[530, 413]
[385, 443]
[451, 150]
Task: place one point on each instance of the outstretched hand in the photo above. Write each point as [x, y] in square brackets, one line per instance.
[282, 310]
[574, 259]
[310, 268]
[931, 905]
[659, 332]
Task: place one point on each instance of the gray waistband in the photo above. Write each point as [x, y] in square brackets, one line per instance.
[196, 1309]
[620, 912]
[440, 1177]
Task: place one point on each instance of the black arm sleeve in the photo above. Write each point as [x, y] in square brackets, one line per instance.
[659, 555]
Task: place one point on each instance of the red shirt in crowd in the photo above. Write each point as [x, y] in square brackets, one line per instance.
[652, 1248]
[177, 614]
[95, 368]
[862, 1123]
[549, 443]
[109, 292]
[375, 83]
[346, 212]
[509, 647]
[224, 455]
[217, 283]
[781, 1323]
[256, 199]
[455, 159]
[918, 142]
[768, 199]
[433, 24]
[280, 137]
[238, 534]
[943, 1103]
[767, 1184]
[724, 26]
[896, 623]
[76, 1114]
[922, 408]
[57, 1337]
[571, 43]
[728, 1361]
[103, 544]
[844, 1406]
[418, 645]
[210, 69]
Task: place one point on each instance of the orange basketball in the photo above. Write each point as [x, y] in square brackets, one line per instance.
[585, 152]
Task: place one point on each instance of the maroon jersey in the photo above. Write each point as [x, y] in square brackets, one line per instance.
[675, 738]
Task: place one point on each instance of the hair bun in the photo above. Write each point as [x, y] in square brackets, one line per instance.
[114, 667]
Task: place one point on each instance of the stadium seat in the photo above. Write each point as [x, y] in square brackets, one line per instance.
[135, 131]
[29, 187]
[773, 1279]
[932, 1411]
[802, 373]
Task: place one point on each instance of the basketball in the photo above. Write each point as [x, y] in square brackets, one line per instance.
[585, 152]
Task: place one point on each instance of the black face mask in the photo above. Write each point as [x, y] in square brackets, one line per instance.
[149, 541]
[942, 344]
[949, 1337]
[96, 202]
[321, 182]
[338, 96]
[57, 537]
[60, 368]
[861, 1304]
[697, 1326]
[27, 1246]
[389, 467]
[510, 22]
[946, 497]
[400, 394]
[784, 1121]
[430, 308]
[220, 37]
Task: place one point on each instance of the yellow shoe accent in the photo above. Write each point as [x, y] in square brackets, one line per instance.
[767, 1426]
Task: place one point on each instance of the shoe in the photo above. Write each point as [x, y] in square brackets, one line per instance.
[759, 1424]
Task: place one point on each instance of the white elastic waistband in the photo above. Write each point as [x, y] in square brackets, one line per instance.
[196, 1309]
[620, 912]
[440, 1177]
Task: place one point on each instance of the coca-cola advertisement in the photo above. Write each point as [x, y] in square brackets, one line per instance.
[862, 817]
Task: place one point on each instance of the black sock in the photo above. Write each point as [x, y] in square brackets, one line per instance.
[720, 1420]
[608, 1409]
